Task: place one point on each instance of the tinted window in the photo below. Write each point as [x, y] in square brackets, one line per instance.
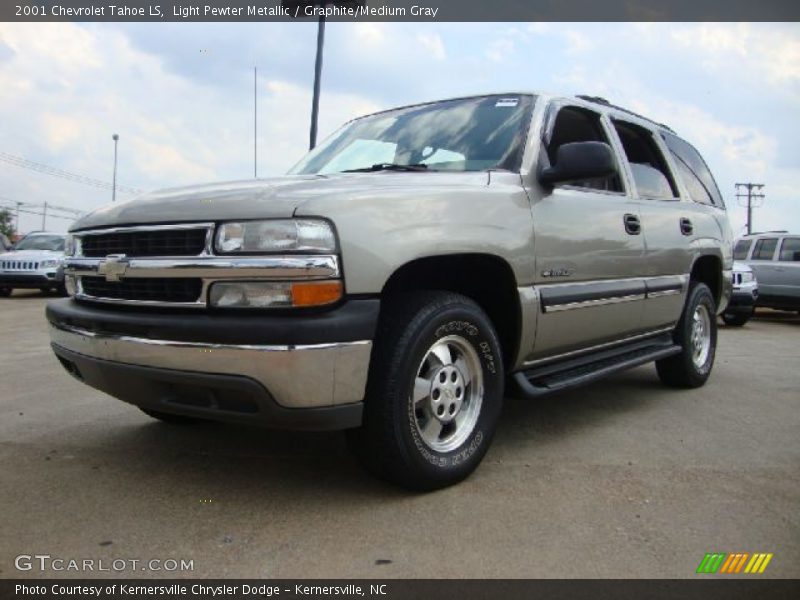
[765, 249]
[648, 167]
[469, 134]
[741, 249]
[574, 124]
[790, 250]
[693, 171]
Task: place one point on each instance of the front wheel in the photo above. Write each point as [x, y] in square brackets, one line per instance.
[736, 319]
[5, 292]
[434, 393]
[696, 334]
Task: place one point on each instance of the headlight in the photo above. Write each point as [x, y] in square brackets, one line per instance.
[747, 276]
[269, 294]
[279, 235]
[49, 264]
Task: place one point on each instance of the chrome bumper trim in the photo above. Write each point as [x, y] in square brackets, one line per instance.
[303, 376]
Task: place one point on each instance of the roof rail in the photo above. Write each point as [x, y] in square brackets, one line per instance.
[770, 231]
[604, 102]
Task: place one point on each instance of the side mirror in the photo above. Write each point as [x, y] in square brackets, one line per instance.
[579, 161]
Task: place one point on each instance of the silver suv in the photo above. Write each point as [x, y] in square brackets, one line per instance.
[402, 272]
[34, 263]
[774, 257]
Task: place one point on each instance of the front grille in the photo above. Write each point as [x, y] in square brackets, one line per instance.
[144, 289]
[18, 265]
[160, 242]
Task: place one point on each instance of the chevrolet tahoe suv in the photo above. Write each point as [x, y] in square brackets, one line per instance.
[403, 273]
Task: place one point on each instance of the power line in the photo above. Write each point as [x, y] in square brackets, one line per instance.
[24, 163]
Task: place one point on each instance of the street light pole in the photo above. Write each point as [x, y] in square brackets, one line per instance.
[317, 81]
[114, 137]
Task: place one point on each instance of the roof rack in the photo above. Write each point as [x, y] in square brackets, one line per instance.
[604, 102]
[770, 231]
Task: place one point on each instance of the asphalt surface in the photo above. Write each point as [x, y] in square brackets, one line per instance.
[621, 479]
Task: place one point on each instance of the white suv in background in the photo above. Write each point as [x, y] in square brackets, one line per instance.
[774, 257]
[36, 262]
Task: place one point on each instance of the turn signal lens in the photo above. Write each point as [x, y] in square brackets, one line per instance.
[316, 294]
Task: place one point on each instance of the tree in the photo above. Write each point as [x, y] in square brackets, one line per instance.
[6, 224]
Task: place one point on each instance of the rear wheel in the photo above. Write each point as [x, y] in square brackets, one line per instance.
[170, 418]
[434, 394]
[696, 333]
[5, 292]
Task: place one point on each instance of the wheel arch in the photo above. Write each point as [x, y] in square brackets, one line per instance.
[487, 279]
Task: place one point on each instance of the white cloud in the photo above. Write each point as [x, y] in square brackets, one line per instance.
[433, 44]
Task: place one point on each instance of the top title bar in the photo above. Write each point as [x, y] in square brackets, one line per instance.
[399, 10]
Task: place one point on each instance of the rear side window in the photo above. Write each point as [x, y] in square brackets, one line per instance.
[693, 171]
[649, 169]
[765, 249]
[790, 250]
[741, 249]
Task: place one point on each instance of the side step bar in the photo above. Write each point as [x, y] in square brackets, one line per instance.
[537, 382]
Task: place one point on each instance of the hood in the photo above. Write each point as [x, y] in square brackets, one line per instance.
[741, 267]
[278, 197]
[35, 255]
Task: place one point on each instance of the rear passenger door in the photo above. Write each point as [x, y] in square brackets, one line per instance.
[588, 265]
[667, 240]
[788, 270]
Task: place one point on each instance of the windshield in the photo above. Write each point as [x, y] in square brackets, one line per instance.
[469, 134]
[42, 242]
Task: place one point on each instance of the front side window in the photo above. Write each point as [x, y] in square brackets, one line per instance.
[765, 249]
[741, 249]
[790, 250]
[693, 171]
[573, 124]
[648, 167]
[42, 242]
[468, 134]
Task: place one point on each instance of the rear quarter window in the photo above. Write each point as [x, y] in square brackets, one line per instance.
[694, 172]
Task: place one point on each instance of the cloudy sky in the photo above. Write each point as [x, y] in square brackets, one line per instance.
[180, 95]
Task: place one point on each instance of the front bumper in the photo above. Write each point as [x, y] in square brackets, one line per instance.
[311, 375]
[743, 300]
[30, 280]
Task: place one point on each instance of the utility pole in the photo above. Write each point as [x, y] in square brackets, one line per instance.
[44, 217]
[752, 195]
[114, 137]
[255, 122]
[16, 227]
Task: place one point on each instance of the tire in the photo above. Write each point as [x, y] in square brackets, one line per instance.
[736, 319]
[437, 435]
[5, 292]
[45, 290]
[170, 418]
[696, 333]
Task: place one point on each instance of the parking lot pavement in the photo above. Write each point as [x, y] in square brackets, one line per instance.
[621, 479]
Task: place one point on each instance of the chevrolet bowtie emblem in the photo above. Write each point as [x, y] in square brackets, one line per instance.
[113, 267]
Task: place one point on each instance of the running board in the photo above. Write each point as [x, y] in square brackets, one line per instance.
[551, 378]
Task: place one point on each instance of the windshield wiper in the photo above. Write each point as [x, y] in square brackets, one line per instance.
[389, 167]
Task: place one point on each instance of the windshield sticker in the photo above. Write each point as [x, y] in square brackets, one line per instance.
[507, 102]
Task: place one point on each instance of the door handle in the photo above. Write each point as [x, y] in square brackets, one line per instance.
[686, 226]
[632, 224]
